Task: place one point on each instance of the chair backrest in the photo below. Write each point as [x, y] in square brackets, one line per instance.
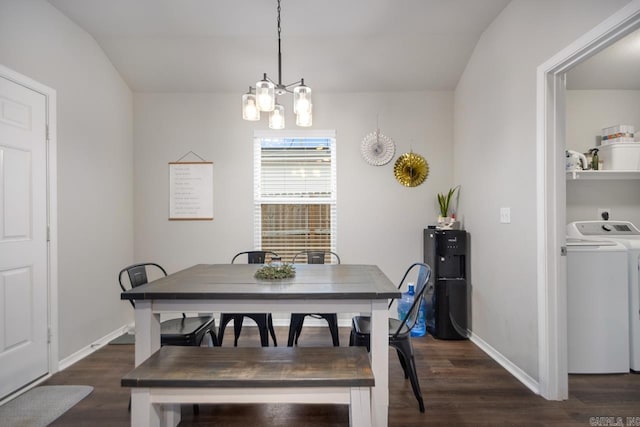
[410, 319]
[137, 275]
[315, 257]
[255, 257]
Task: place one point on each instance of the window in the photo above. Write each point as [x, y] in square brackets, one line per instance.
[295, 192]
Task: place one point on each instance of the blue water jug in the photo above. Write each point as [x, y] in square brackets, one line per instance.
[420, 328]
[404, 305]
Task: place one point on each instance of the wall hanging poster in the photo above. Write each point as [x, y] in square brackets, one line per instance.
[191, 191]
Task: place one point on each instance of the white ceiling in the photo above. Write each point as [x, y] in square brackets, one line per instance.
[616, 67]
[335, 45]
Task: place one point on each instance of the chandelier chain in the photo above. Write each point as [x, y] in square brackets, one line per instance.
[280, 85]
[279, 29]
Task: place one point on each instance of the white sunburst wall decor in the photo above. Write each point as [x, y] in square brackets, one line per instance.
[377, 149]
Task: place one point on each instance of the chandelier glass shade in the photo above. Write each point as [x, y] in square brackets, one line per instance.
[276, 117]
[264, 97]
[266, 94]
[302, 99]
[304, 118]
[249, 107]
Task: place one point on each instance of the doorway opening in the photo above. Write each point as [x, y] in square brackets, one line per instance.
[551, 194]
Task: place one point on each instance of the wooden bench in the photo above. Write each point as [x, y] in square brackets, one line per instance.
[178, 375]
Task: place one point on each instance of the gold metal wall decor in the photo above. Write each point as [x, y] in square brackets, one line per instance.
[411, 169]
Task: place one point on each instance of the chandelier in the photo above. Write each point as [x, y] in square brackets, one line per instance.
[264, 97]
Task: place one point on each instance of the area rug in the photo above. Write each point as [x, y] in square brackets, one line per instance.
[40, 406]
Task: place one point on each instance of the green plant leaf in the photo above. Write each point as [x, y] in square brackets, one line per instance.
[444, 201]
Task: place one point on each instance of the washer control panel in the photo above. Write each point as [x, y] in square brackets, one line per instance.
[602, 228]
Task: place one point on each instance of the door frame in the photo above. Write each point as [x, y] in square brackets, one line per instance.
[52, 218]
[551, 195]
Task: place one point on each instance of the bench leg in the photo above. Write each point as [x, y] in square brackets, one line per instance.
[170, 415]
[360, 407]
[379, 342]
[143, 413]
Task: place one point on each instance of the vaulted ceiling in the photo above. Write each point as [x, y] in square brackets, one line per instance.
[335, 45]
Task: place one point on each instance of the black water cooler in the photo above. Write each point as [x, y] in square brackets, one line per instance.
[446, 252]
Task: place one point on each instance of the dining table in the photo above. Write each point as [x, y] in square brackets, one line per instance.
[315, 288]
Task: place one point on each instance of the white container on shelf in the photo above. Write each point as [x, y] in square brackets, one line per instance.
[617, 140]
[621, 156]
[618, 130]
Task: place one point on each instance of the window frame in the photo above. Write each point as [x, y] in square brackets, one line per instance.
[259, 200]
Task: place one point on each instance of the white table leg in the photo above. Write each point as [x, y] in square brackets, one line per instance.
[143, 413]
[380, 363]
[360, 407]
[171, 414]
[147, 331]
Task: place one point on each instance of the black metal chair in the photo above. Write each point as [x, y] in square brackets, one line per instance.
[399, 329]
[263, 320]
[315, 256]
[183, 331]
[297, 319]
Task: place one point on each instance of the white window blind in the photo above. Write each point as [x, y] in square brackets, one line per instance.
[295, 193]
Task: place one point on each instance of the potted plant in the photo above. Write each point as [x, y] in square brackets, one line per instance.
[444, 201]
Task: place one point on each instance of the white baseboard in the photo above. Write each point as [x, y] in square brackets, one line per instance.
[514, 370]
[84, 352]
[70, 360]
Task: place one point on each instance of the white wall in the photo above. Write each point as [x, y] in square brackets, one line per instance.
[95, 181]
[379, 221]
[588, 111]
[585, 197]
[495, 131]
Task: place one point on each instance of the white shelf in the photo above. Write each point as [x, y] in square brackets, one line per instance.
[602, 175]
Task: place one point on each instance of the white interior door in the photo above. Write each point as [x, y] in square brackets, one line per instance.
[24, 349]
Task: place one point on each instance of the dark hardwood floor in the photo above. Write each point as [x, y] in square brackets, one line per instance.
[461, 386]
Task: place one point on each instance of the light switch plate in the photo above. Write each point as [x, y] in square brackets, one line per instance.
[505, 215]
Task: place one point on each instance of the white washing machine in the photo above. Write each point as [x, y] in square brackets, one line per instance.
[597, 307]
[627, 234]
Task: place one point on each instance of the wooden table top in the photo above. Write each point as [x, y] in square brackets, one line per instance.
[253, 367]
[237, 281]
